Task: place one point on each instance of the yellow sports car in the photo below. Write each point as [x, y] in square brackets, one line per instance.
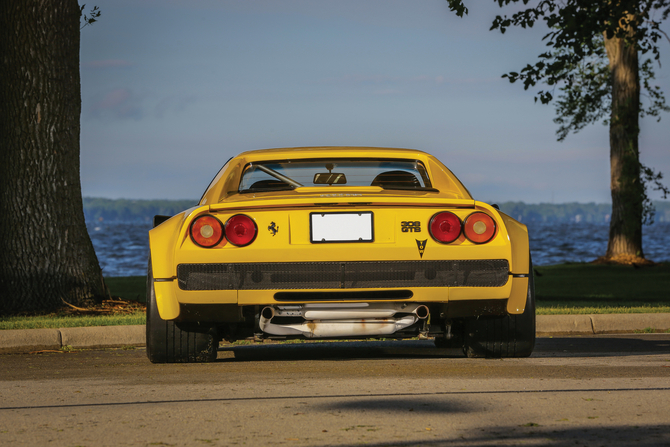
[333, 243]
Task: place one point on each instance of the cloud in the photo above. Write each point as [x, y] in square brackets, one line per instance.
[174, 104]
[124, 103]
[120, 103]
[114, 99]
[107, 64]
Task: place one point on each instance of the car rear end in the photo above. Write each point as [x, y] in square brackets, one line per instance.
[335, 261]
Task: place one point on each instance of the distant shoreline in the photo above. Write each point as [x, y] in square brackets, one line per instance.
[100, 210]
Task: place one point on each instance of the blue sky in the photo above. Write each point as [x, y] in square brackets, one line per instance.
[173, 88]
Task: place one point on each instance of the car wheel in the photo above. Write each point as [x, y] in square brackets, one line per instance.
[168, 343]
[503, 337]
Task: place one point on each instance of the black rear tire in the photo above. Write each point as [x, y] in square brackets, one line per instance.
[503, 337]
[168, 343]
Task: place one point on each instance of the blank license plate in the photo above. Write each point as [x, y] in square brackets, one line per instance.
[341, 227]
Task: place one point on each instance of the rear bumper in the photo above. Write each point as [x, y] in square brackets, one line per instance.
[261, 284]
[343, 275]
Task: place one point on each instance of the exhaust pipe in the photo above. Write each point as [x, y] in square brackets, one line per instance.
[342, 319]
[422, 312]
[344, 311]
[268, 312]
[339, 328]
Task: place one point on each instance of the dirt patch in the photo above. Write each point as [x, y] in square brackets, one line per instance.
[108, 307]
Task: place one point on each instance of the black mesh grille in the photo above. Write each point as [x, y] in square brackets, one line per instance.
[343, 275]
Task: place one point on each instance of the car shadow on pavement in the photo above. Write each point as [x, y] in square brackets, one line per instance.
[603, 345]
[331, 350]
[620, 345]
[400, 405]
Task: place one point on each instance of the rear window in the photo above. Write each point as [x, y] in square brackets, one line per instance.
[286, 175]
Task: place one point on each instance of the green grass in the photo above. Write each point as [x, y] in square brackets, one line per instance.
[55, 321]
[560, 289]
[129, 288]
[591, 307]
[604, 283]
[602, 289]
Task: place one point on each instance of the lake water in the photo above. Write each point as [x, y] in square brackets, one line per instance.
[123, 247]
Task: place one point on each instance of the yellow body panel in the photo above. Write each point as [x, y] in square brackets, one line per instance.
[166, 299]
[282, 219]
[516, 303]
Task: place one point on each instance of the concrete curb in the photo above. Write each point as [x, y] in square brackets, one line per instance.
[20, 340]
[549, 325]
[29, 340]
[104, 336]
[608, 323]
[564, 325]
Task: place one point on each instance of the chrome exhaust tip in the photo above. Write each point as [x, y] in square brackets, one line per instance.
[422, 312]
[268, 312]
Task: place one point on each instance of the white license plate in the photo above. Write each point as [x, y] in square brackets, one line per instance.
[341, 227]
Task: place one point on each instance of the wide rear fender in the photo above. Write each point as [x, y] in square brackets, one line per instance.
[163, 241]
[520, 265]
[166, 238]
[518, 237]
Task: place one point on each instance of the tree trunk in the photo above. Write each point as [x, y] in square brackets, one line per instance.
[46, 255]
[627, 189]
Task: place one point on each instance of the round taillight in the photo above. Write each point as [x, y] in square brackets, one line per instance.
[241, 230]
[206, 231]
[445, 227]
[479, 228]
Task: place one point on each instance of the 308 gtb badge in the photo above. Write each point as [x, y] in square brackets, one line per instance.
[410, 227]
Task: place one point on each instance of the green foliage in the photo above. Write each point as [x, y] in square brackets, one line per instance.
[577, 60]
[573, 24]
[653, 92]
[586, 94]
[587, 97]
[458, 7]
[576, 64]
[92, 16]
[651, 177]
[99, 209]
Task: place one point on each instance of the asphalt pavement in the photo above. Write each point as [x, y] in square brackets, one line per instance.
[29, 340]
[599, 390]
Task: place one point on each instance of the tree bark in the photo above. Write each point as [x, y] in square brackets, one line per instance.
[46, 255]
[627, 188]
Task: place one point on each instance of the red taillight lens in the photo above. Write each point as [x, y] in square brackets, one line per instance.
[445, 227]
[241, 230]
[206, 231]
[479, 228]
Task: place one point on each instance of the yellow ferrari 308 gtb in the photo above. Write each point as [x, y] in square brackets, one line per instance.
[338, 243]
